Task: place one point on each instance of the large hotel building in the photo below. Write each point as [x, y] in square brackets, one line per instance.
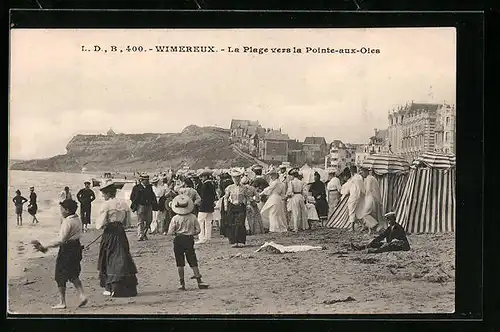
[417, 127]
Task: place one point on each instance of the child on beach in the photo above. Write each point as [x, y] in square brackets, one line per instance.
[184, 226]
[68, 260]
[312, 214]
[19, 202]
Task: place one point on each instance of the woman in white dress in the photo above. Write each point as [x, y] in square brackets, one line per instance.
[274, 208]
[298, 209]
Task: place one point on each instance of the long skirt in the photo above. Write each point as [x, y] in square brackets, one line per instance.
[322, 208]
[333, 201]
[254, 219]
[32, 209]
[298, 212]
[373, 208]
[236, 231]
[117, 270]
[68, 260]
[274, 211]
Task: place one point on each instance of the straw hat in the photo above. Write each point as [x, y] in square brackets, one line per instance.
[109, 184]
[86, 182]
[256, 166]
[293, 172]
[283, 166]
[155, 179]
[182, 204]
[235, 172]
[144, 176]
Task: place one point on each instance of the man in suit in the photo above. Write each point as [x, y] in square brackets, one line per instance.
[394, 236]
[143, 199]
[85, 196]
[208, 194]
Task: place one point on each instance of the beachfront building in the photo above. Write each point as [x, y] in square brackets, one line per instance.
[273, 147]
[445, 135]
[412, 129]
[296, 154]
[315, 149]
[341, 155]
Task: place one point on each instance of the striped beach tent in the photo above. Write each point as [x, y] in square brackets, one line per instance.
[391, 172]
[428, 202]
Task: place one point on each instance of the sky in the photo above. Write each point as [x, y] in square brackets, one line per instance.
[57, 90]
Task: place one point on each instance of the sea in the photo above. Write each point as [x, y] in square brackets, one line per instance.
[47, 185]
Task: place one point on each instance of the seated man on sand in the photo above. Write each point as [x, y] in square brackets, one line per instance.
[394, 235]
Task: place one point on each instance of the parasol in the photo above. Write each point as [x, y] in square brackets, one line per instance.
[382, 164]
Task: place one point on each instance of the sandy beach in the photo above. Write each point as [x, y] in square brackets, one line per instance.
[329, 281]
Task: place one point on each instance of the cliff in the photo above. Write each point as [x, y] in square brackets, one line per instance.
[198, 147]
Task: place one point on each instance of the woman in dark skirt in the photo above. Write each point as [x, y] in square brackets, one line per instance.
[318, 190]
[236, 200]
[225, 181]
[117, 270]
[33, 206]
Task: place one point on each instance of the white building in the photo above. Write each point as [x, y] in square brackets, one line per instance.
[341, 156]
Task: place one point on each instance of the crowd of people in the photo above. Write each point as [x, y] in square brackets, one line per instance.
[186, 205]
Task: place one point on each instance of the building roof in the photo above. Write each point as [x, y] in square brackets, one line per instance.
[337, 144]
[426, 107]
[111, 132]
[276, 135]
[315, 140]
[243, 123]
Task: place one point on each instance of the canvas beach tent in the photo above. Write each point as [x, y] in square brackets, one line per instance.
[391, 172]
[428, 201]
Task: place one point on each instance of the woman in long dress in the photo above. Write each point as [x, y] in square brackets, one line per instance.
[253, 213]
[318, 190]
[224, 183]
[274, 208]
[117, 270]
[298, 209]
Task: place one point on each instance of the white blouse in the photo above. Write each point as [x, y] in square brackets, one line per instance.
[114, 210]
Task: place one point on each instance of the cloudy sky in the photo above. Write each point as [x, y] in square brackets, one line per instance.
[57, 91]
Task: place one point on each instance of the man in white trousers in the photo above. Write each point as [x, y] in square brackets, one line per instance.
[208, 194]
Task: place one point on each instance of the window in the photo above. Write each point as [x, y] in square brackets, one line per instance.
[447, 137]
[447, 120]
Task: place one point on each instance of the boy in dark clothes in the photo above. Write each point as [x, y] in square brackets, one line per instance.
[19, 202]
[394, 235]
[184, 226]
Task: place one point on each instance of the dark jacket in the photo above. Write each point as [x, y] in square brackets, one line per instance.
[142, 196]
[208, 197]
[393, 232]
[85, 196]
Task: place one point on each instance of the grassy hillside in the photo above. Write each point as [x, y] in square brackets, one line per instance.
[195, 146]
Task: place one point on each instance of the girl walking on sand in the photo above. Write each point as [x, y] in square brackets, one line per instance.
[68, 266]
[19, 202]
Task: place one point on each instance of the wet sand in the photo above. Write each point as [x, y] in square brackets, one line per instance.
[330, 281]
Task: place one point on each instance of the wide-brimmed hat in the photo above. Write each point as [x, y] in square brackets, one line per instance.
[107, 185]
[283, 166]
[205, 172]
[390, 215]
[182, 204]
[272, 171]
[293, 172]
[155, 179]
[235, 172]
[86, 182]
[144, 176]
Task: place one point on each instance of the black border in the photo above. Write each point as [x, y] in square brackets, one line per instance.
[470, 38]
